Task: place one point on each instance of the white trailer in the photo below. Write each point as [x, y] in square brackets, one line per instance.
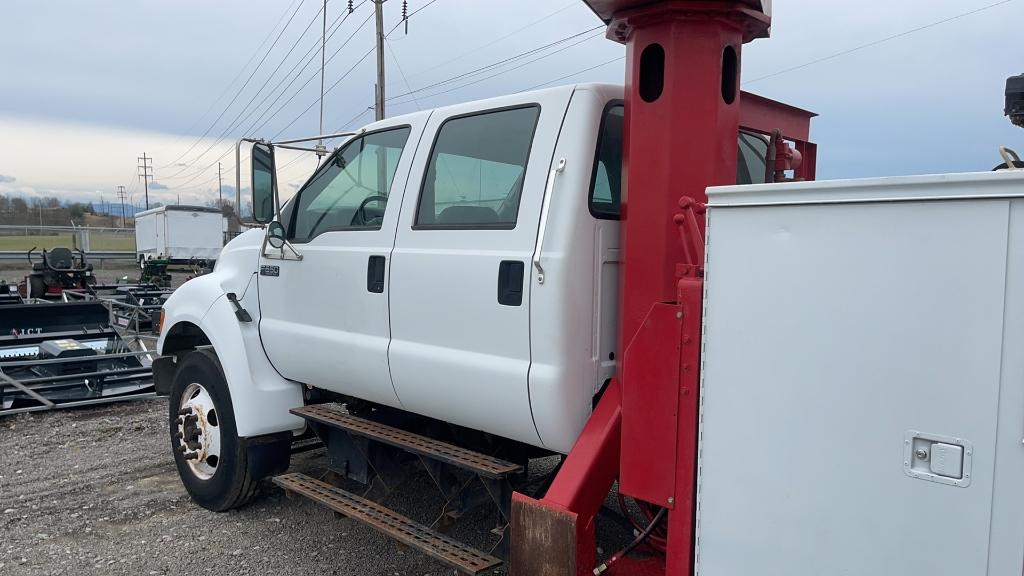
[863, 383]
[179, 233]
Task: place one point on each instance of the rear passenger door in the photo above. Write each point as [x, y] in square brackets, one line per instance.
[461, 268]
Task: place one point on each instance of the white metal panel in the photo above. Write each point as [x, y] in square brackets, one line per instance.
[193, 234]
[572, 314]
[831, 330]
[320, 325]
[145, 234]
[972, 186]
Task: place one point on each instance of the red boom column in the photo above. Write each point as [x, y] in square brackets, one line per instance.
[681, 126]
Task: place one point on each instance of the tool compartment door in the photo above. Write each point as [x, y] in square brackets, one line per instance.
[862, 403]
[460, 289]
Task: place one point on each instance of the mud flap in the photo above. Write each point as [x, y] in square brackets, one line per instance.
[544, 540]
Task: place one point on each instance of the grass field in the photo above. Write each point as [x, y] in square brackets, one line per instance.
[96, 241]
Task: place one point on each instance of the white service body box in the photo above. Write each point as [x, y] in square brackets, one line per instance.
[862, 408]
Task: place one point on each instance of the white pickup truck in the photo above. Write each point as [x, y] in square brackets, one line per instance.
[459, 264]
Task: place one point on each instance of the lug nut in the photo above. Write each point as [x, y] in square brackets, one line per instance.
[181, 448]
[191, 456]
[184, 412]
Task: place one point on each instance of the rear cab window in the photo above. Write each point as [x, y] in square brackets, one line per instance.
[605, 200]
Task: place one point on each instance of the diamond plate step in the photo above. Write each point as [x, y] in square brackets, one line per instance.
[486, 466]
[438, 546]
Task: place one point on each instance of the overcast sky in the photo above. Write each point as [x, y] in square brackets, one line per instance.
[87, 87]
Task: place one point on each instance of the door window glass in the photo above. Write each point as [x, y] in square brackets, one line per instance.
[351, 190]
[475, 175]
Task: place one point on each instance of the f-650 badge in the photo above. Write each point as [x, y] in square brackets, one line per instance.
[266, 270]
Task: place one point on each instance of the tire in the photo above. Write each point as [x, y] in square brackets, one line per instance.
[219, 484]
[36, 286]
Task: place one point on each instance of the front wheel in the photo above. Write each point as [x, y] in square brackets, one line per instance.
[211, 461]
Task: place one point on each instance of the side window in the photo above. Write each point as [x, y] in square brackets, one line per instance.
[750, 163]
[606, 182]
[475, 174]
[350, 191]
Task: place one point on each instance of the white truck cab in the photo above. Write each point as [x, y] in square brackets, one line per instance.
[458, 263]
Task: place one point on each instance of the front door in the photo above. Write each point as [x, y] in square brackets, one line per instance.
[324, 318]
[461, 269]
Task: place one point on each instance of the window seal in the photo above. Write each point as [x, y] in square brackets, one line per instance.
[430, 156]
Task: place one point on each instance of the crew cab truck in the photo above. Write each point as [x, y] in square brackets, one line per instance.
[452, 270]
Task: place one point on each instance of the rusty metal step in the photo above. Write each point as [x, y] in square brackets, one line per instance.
[438, 546]
[486, 466]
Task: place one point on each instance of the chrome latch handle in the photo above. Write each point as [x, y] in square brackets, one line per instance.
[548, 192]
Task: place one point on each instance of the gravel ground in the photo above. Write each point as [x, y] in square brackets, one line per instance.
[95, 491]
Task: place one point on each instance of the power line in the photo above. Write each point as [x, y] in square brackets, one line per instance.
[229, 85]
[576, 73]
[506, 71]
[877, 42]
[238, 116]
[499, 63]
[410, 15]
[402, 73]
[338, 81]
[265, 119]
[496, 40]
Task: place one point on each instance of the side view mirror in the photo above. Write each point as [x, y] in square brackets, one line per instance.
[264, 183]
[275, 235]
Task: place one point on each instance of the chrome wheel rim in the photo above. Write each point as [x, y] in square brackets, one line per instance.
[198, 434]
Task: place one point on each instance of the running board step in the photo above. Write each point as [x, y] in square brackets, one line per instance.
[481, 464]
[438, 546]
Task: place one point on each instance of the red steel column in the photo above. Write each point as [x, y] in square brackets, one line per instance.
[678, 143]
[682, 121]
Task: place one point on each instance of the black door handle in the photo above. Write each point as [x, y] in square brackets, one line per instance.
[510, 283]
[375, 274]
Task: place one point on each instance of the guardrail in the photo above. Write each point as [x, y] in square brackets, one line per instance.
[95, 255]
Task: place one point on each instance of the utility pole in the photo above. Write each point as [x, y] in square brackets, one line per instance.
[220, 191]
[121, 195]
[146, 173]
[378, 6]
[323, 54]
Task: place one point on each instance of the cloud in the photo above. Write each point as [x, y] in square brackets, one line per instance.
[6, 179]
[157, 186]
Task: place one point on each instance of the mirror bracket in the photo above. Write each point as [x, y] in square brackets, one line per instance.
[285, 252]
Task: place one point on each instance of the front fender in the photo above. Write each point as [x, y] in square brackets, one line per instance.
[261, 397]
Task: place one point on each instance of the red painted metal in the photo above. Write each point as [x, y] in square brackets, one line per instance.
[679, 139]
[676, 145]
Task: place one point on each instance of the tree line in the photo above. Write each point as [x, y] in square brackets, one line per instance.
[45, 211]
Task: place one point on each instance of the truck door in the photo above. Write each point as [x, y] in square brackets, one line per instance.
[324, 318]
[460, 290]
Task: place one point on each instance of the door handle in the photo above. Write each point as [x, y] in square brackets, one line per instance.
[510, 283]
[375, 274]
[548, 190]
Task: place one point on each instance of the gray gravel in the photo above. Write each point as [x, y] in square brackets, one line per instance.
[95, 491]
